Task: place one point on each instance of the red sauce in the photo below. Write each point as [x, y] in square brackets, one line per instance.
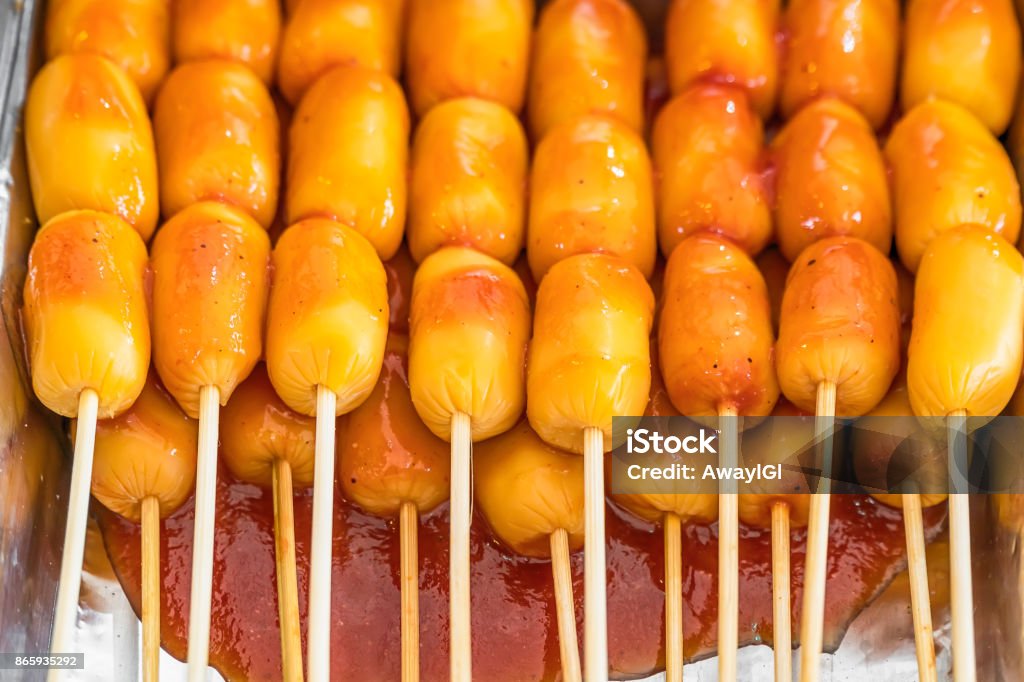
[513, 607]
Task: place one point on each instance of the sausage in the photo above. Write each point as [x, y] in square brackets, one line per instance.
[591, 190]
[479, 48]
[467, 180]
[327, 319]
[844, 48]
[257, 428]
[400, 270]
[963, 51]
[209, 300]
[85, 312]
[134, 34]
[839, 322]
[386, 456]
[322, 34]
[83, 113]
[147, 451]
[725, 41]
[217, 138]
[589, 56]
[469, 324]
[347, 156]
[947, 170]
[245, 31]
[774, 269]
[830, 179]
[715, 338]
[590, 354]
[965, 347]
[527, 490]
[708, 150]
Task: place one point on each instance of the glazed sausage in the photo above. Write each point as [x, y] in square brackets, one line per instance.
[830, 179]
[217, 138]
[479, 48]
[89, 143]
[947, 170]
[400, 270]
[245, 31]
[347, 156]
[327, 319]
[85, 312]
[708, 149]
[467, 180]
[839, 322]
[591, 190]
[469, 323]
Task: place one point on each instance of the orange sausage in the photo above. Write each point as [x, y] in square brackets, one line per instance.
[347, 156]
[947, 170]
[469, 324]
[964, 51]
[725, 41]
[85, 312]
[589, 56]
[479, 48]
[209, 297]
[844, 48]
[590, 355]
[327, 319]
[715, 335]
[830, 179]
[322, 34]
[245, 31]
[386, 455]
[134, 34]
[400, 271]
[217, 138]
[89, 143]
[467, 180]
[708, 148]
[591, 190]
[839, 322]
[257, 429]
[527, 490]
[147, 451]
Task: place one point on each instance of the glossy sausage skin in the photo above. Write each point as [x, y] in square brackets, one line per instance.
[83, 113]
[708, 149]
[347, 156]
[85, 312]
[715, 339]
[842, 48]
[469, 324]
[477, 48]
[386, 455]
[839, 322]
[217, 138]
[590, 355]
[322, 34]
[245, 31]
[589, 56]
[327, 319]
[147, 451]
[209, 299]
[830, 179]
[467, 180]
[964, 51]
[257, 428]
[965, 348]
[948, 170]
[134, 34]
[725, 41]
[591, 190]
[527, 490]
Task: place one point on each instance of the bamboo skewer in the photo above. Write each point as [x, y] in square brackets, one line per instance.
[674, 657]
[319, 629]
[919, 595]
[150, 589]
[461, 519]
[781, 625]
[595, 598]
[728, 549]
[287, 580]
[408, 529]
[962, 596]
[565, 607]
